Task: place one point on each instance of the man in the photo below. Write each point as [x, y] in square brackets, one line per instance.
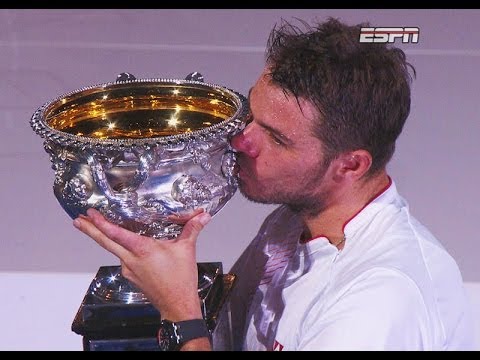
[341, 264]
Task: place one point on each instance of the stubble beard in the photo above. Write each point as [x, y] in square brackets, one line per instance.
[305, 200]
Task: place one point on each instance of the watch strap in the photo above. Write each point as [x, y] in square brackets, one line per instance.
[191, 329]
[172, 335]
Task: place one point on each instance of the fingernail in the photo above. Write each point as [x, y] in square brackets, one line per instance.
[205, 218]
[76, 223]
[91, 212]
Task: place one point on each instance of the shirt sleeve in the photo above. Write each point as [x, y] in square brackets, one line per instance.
[382, 309]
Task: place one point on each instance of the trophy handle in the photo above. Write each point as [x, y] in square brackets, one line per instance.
[194, 76]
[125, 76]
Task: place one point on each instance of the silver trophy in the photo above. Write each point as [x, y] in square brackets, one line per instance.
[146, 153]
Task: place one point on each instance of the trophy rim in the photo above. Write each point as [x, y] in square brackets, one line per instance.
[225, 127]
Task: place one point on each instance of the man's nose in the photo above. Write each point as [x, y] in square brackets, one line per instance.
[244, 142]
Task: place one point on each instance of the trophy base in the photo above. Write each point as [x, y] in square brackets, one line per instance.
[129, 344]
[110, 325]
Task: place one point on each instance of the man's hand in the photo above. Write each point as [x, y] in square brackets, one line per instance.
[165, 270]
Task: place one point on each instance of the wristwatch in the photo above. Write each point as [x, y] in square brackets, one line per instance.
[172, 335]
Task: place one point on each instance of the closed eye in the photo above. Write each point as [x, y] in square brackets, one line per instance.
[249, 118]
[276, 139]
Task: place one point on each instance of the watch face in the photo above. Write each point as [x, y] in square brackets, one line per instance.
[166, 340]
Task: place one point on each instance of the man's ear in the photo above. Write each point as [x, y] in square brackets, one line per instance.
[354, 164]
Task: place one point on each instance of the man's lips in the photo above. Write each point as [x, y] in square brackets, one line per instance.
[236, 169]
[245, 167]
[240, 169]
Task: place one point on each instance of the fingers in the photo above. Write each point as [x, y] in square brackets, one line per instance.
[126, 238]
[192, 228]
[84, 225]
[119, 241]
[182, 219]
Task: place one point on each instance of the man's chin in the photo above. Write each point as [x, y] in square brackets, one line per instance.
[252, 196]
[242, 187]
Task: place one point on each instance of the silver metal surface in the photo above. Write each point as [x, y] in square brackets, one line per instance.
[144, 152]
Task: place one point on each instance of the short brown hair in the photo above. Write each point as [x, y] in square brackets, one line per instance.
[361, 90]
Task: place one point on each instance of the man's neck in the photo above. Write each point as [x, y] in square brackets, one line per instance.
[332, 220]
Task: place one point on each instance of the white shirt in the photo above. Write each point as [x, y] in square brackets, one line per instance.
[392, 287]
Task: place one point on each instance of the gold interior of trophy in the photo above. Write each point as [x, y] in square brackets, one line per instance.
[141, 110]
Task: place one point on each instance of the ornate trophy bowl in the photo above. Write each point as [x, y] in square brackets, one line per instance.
[144, 152]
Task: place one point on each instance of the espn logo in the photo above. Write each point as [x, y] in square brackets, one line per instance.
[389, 34]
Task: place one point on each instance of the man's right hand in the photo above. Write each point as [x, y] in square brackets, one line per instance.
[165, 270]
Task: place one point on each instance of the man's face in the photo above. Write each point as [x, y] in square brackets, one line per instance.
[279, 159]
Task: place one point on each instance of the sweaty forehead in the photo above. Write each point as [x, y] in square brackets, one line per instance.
[266, 93]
